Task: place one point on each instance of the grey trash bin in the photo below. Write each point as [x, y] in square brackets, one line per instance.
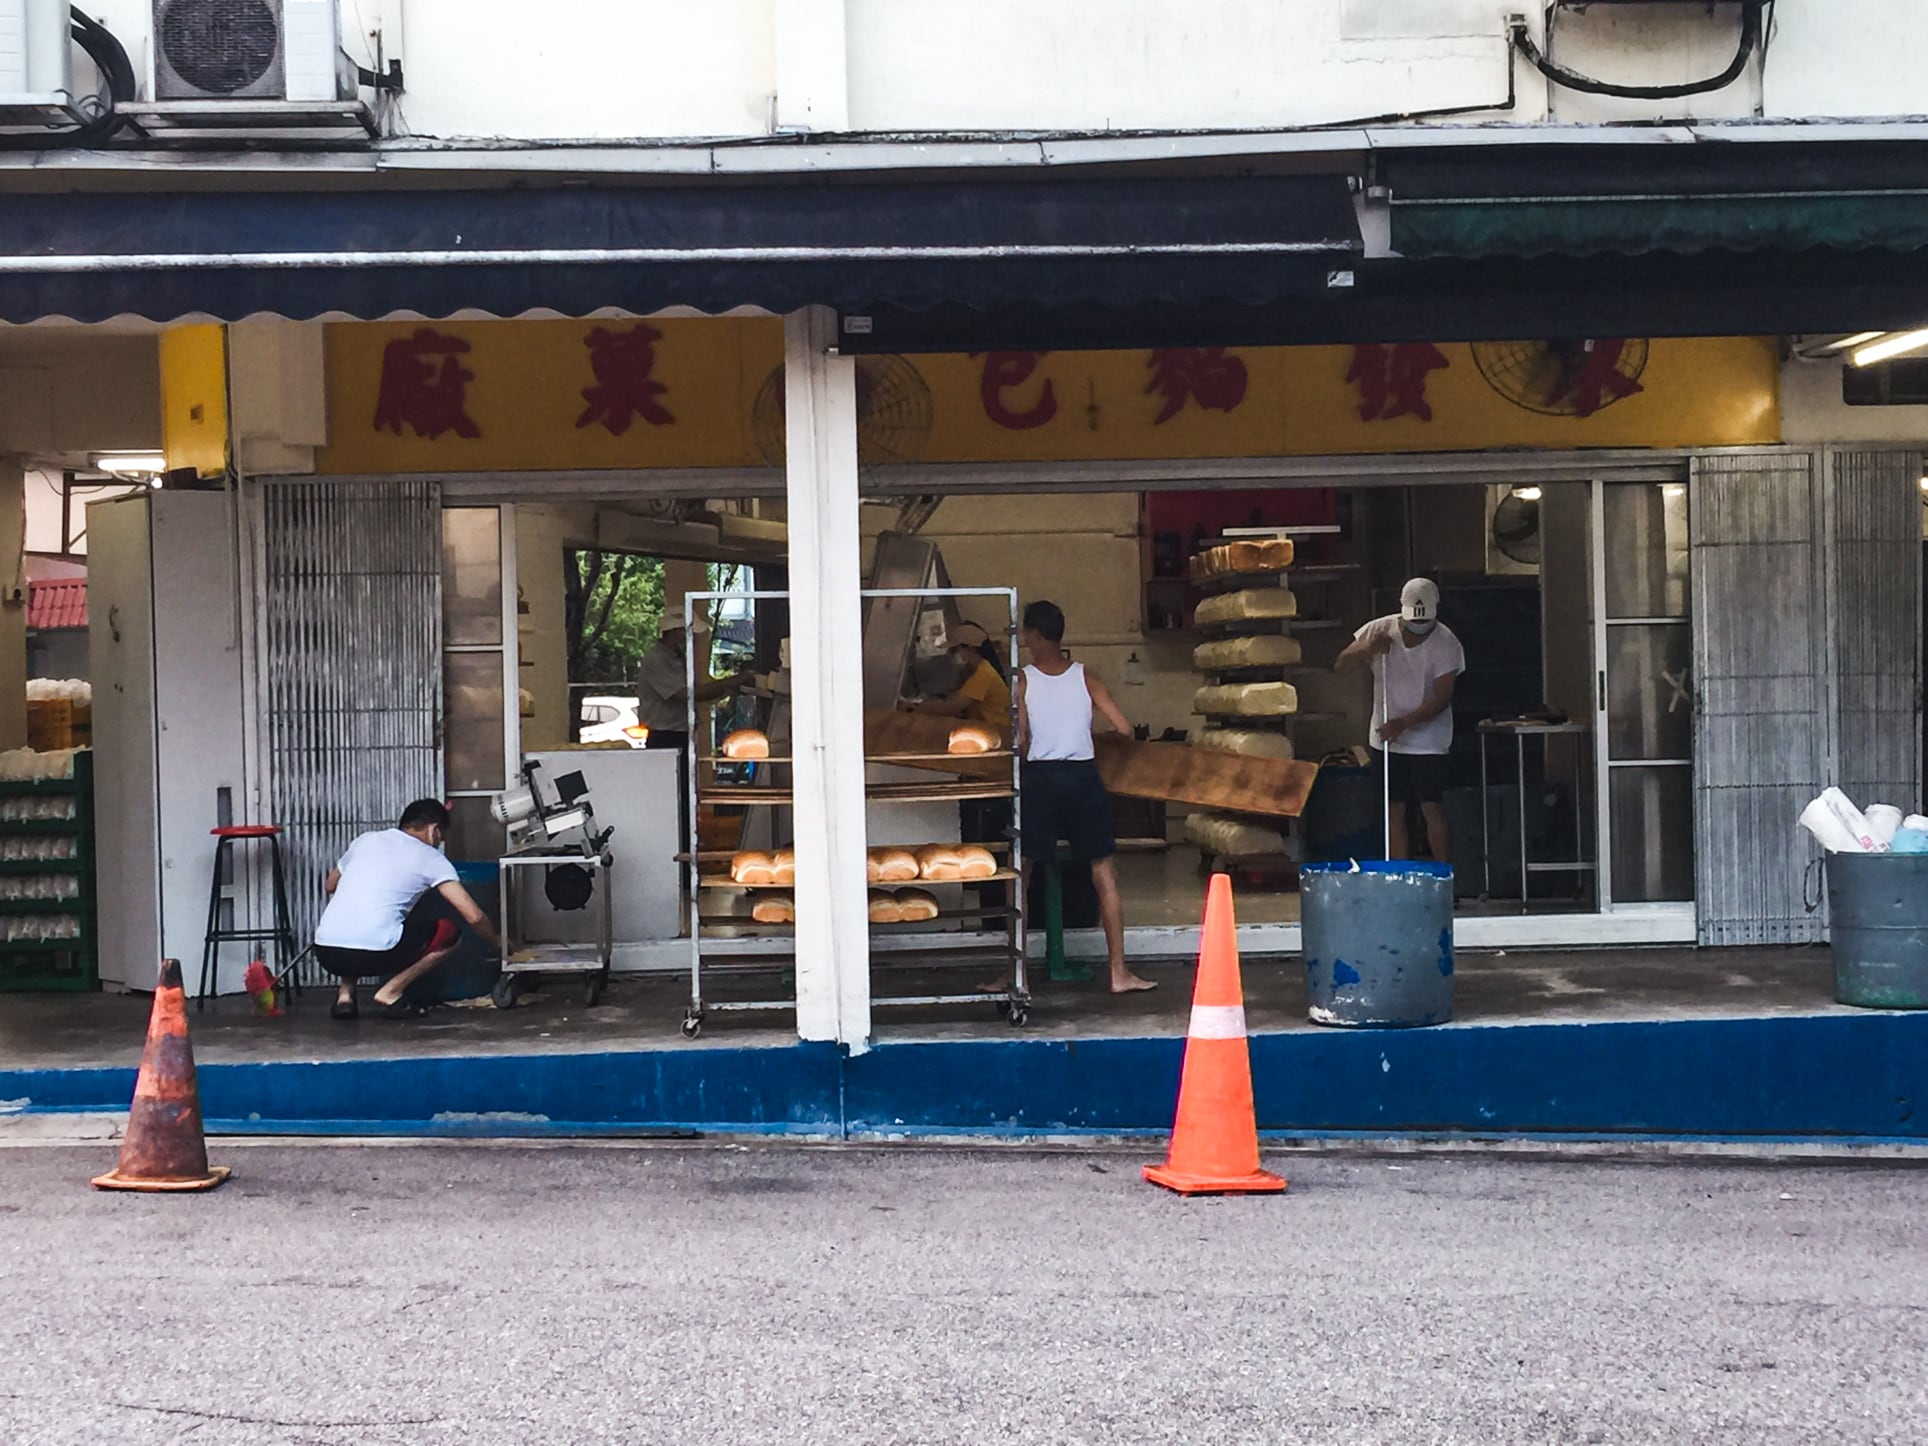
[1878, 928]
[1378, 938]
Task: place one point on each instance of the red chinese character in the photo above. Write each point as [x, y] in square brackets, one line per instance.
[425, 386]
[624, 390]
[1209, 375]
[1601, 383]
[1392, 379]
[1005, 369]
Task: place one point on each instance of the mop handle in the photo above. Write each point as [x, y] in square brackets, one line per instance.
[1385, 761]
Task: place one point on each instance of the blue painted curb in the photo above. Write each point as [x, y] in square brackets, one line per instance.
[1830, 1076]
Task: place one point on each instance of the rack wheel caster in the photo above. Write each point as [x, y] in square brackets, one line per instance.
[592, 990]
[692, 1026]
[506, 991]
[1020, 1015]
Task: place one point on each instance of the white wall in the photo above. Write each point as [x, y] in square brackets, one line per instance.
[615, 69]
[1812, 411]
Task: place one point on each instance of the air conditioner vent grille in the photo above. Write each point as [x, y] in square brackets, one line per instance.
[218, 48]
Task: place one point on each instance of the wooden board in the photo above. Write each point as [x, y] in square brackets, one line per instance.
[1205, 778]
[890, 730]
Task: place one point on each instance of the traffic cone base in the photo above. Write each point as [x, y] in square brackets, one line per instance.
[165, 1149]
[114, 1180]
[1259, 1182]
[1215, 1138]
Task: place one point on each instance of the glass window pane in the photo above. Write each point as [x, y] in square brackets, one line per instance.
[475, 837]
[1646, 550]
[1650, 709]
[472, 711]
[471, 576]
[1653, 835]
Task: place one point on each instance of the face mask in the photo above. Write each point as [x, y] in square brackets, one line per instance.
[1421, 628]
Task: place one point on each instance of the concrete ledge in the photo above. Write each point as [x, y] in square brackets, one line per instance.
[1860, 1077]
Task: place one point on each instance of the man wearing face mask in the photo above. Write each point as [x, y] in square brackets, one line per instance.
[1415, 660]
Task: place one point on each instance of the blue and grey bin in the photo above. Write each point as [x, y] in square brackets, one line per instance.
[1378, 940]
[1878, 929]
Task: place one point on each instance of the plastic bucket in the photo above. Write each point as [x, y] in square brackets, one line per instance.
[1878, 929]
[1378, 939]
[473, 971]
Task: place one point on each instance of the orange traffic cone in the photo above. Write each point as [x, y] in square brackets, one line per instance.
[165, 1148]
[1215, 1139]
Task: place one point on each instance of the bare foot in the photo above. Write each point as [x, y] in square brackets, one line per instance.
[386, 996]
[1123, 981]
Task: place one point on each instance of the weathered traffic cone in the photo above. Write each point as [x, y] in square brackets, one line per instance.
[1215, 1138]
[165, 1148]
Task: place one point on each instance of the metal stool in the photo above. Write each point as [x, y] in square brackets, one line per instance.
[282, 933]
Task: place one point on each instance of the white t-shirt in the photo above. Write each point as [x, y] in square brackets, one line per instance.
[1403, 676]
[382, 875]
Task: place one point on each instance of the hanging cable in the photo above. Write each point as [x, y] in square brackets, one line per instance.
[118, 86]
[1751, 11]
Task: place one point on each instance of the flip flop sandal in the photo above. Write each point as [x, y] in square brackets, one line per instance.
[350, 1010]
[401, 1009]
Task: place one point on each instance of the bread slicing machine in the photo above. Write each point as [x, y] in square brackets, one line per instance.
[552, 827]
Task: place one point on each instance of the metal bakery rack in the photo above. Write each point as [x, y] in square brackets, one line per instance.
[967, 933]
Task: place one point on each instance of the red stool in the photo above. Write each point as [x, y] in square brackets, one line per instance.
[281, 934]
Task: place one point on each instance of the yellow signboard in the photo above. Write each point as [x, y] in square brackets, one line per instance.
[697, 392]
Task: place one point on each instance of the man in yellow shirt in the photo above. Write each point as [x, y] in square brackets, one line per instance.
[983, 696]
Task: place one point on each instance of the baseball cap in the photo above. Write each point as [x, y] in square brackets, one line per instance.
[1419, 604]
[966, 635]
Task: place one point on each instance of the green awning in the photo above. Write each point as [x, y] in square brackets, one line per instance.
[1633, 225]
[1640, 198]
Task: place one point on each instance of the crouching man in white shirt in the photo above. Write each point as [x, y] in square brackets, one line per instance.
[369, 929]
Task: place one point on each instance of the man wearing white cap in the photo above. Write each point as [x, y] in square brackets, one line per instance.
[662, 684]
[1415, 660]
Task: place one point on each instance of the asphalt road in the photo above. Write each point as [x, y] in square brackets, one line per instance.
[735, 1295]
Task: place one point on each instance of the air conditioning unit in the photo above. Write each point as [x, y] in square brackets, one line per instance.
[36, 56]
[247, 50]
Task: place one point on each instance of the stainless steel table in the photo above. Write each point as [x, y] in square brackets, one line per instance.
[1521, 729]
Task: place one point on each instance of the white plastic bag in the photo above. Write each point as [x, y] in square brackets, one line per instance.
[1883, 820]
[1839, 826]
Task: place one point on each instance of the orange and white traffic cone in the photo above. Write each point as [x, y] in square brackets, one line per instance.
[1215, 1138]
[165, 1148]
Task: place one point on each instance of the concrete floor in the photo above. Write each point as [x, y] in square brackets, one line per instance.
[345, 1296]
[51, 1031]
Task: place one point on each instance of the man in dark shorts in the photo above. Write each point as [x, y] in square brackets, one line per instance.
[1062, 795]
[1415, 661]
[370, 928]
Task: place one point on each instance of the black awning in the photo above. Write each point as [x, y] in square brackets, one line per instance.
[1041, 241]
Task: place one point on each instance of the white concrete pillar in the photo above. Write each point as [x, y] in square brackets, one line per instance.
[13, 604]
[827, 684]
[813, 72]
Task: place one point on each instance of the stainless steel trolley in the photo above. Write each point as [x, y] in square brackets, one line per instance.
[982, 936]
[519, 961]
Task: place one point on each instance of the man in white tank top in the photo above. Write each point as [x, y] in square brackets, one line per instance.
[1062, 796]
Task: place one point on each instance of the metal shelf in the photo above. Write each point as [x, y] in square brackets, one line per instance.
[1259, 720]
[749, 794]
[1310, 574]
[1001, 876]
[995, 753]
[41, 866]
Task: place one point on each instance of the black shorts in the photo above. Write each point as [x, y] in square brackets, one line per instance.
[1417, 777]
[422, 934]
[1066, 800]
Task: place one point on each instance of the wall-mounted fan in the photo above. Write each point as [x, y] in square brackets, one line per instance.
[1575, 377]
[894, 411]
[1513, 531]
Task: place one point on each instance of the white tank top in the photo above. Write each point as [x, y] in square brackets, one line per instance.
[1059, 713]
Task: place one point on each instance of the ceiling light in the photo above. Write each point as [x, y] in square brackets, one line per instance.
[1860, 338]
[1924, 482]
[1896, 343]
[130, 464]
[1527, 494]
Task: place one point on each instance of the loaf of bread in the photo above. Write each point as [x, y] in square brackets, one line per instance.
[1276, 553]
[975, 862]
[893, 865]
[752, 868]
[1244, 555]
[1262, 650]
[1229, 837]
[974, 738]
[1247, 744]
[773, 909]
[1253, 602]
[1246, 700]
[783, 868]
[939, 863]
[745, 743]
[884, 908]
[914, 905]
